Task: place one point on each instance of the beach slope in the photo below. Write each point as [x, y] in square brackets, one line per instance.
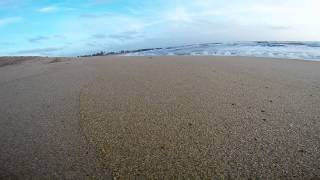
[161, 118]
[205, 117]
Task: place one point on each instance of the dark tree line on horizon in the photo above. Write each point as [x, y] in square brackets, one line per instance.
[102, 53]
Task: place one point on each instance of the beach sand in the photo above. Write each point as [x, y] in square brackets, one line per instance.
[162, 118]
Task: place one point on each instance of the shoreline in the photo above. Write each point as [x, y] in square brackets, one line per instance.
[208, 56]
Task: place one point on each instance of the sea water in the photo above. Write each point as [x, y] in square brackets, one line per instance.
[271, 49]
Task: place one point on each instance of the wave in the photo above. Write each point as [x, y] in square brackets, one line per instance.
[273, 49]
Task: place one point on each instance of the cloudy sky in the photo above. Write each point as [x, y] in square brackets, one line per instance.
[75, 27]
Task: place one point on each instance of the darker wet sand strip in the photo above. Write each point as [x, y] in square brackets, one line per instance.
[7, 61]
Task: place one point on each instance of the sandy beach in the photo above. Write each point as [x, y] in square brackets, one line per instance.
[176, 117]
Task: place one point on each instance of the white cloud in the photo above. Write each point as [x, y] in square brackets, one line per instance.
[167, 22]
[179, 14]
[48, 9]
[54, 8]
[246, 19]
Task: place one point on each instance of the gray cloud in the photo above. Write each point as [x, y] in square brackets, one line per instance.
[43, 38]
[91, 44]
[99, 36]
[59, 36]
[123, 36]
[38, 50]
[38, 38]
[88, 16]
[279, 27]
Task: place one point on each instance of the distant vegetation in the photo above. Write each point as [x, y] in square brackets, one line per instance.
[102, 53]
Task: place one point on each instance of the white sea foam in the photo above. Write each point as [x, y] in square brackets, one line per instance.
[288, 50]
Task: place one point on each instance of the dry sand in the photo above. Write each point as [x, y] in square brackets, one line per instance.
[161, 118]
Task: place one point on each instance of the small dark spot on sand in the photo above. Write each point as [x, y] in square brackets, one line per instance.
[161, 147]
[190, 124]
[255, 139]
[233, 104]
[310, 95]
[263, 111]
[266, 87]
[87, 152]
[271, 101]
[302, 151]
[264, 119]
[55, 60]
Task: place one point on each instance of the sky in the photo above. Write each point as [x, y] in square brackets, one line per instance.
[77, 27]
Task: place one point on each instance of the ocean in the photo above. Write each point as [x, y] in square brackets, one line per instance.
[270, 49]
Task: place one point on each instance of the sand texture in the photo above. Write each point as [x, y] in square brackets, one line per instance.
[160, 118]
[187, 117]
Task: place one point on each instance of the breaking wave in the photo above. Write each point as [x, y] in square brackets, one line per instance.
[271, 49]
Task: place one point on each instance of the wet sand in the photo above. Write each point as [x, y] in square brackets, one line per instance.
[161, 118]
[40, 136]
